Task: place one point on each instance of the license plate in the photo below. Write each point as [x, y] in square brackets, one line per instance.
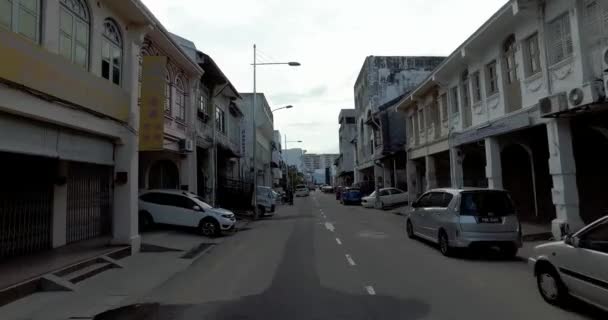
[489, 220]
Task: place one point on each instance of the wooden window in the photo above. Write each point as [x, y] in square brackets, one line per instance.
[180, 99]
[532, 55]
[111, 52]
[560, 39]
[74, 32]
[220, 120]
[168, 93]
[420, 120]
[492, 79]
[476, 84]
[454, 100]
[22, 17]
[464, 90]
[444, 107]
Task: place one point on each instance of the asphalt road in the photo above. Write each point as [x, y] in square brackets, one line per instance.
[321, 260]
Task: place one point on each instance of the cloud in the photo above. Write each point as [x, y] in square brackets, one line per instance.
[293, 98]
[330, 38]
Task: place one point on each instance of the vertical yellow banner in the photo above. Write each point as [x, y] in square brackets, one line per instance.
[151, 124]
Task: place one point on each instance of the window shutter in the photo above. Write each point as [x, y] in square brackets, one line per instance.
[592, 16]
[568, 46]
[556, 32]
[604, 18]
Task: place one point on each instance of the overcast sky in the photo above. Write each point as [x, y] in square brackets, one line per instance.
[331, 38]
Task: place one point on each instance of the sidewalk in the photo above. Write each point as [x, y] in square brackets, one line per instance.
[165, 252]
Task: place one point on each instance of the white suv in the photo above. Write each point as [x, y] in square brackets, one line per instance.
[302, 191]
[182, 208]
[577, 266]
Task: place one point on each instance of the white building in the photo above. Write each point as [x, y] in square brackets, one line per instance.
[347, 135]
[520, 105]
[264, 138]
[277, 163]
[69, 122]
[381, 82]
[293, 157]
[316, 163]
[169, 161]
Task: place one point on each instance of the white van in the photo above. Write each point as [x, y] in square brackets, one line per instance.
[302, 191]
[266, 200]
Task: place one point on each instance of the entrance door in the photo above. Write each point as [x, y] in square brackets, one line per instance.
[89, 202]
[26, 204]
[511, 81]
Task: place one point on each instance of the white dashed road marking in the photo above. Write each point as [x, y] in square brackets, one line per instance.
[370, 290]
[330, 226]
[350, 260]
[338, 241]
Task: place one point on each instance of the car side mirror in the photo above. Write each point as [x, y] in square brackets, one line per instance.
[415, 204]
[197, 208]
[572, 241]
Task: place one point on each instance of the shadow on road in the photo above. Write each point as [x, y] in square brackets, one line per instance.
[295, 293]
[477, 254]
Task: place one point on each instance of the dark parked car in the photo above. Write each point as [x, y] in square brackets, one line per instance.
[350, 196]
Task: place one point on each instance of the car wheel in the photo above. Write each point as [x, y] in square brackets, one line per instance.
[145, 221]
[410, 229]
[550, 286]
[210, 228]
[444, 244]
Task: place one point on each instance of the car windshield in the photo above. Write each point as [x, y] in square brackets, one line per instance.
[202, 203]
[373, 194]
[486, 203]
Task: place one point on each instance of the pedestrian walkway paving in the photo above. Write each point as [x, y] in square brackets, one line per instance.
[167, 255]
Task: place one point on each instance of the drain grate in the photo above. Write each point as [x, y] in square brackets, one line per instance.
[146, 247]
[197, 250]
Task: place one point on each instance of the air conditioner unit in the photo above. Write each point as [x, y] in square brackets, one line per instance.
[186, 145]
[553, 105]
[572, 100]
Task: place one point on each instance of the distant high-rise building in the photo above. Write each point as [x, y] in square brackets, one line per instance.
[293, 157]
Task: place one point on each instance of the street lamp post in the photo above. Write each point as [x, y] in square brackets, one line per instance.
[286, 166]
[281, 108]
[254, 138]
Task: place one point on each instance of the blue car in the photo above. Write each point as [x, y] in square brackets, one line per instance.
[350, 196]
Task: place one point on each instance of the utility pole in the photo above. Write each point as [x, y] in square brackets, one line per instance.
[254, 138]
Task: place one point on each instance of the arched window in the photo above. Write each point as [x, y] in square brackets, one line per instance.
[74, 32]
[168, 93]
[111, 52]
[509, 59]
[21, 16]
[180, 98]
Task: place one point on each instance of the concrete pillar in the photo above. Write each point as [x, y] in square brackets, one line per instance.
[60, 207]
[191, 112]
[456, 173]
[563, 170]
[493, 163]
[412, 180]
[431, 172]
[187, 172]
[125, 205]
